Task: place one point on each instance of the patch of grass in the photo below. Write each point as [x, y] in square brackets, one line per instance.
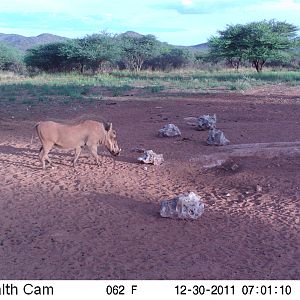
[74, 94]
[119, 90]
[282, 76]
[85, 90]
[29, 102]
[154, 89]
[241, 84]
[42, 98]
[66, 87]
[12, 98]
[66, 101]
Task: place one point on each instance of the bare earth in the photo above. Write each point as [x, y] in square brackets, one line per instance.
[103, 222]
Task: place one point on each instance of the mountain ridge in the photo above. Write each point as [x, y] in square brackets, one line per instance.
[23, 43]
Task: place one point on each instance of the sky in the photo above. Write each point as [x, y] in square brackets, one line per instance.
[177, 22]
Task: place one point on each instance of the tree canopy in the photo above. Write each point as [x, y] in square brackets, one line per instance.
[91, 51]
[46, 57]
[10, 58]
[256, 42]
[137, 50]
[88, 52]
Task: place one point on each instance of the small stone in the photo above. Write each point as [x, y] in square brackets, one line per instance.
[138, 149]
[151, 157]
[207, 122]
[234, 167]
[227, 195]
[186, 206]
[145, 168]
[56, 189]
[169, 130]
[230, 165]
[216, 137]
[259, 188]
[192, 121]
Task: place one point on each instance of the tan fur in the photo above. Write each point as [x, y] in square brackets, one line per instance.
[88, 133]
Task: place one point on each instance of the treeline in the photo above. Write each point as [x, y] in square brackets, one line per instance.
[98, 52]
[256, 44]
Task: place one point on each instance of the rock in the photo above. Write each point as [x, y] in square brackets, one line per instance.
[216, 137]
[230, 165]
[186, 206]
[169, 130]
[207, 122]
[234, 167]
[151, 157]
[259, 188]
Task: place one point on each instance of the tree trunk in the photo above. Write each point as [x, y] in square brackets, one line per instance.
[258, 64]
[81, 68]
[235, 63]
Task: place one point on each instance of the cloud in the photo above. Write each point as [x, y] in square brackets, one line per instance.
[187, 2]
[197, 7]
[291, 5]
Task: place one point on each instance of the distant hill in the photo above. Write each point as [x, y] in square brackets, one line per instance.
[200, 47]
[196, 48]
[23, 43]
[131, 34]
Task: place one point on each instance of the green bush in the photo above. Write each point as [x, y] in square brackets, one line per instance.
[10, 59]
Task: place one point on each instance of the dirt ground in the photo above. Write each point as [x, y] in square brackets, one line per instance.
[103, 222]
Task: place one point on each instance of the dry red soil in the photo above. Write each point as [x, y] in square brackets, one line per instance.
[103, 222]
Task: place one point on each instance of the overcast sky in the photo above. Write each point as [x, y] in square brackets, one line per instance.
[182, 22]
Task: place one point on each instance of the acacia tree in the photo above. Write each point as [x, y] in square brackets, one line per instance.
[229, 45]
[169, 57]
[268, 41]
[10, 58]
[46, 57]
[91, 51]
[256, 42]
[136, 50]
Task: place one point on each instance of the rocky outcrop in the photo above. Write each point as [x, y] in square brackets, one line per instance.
[206, 122]
[186, 206]
[151, 157]
[216, 137]
[169, 130]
